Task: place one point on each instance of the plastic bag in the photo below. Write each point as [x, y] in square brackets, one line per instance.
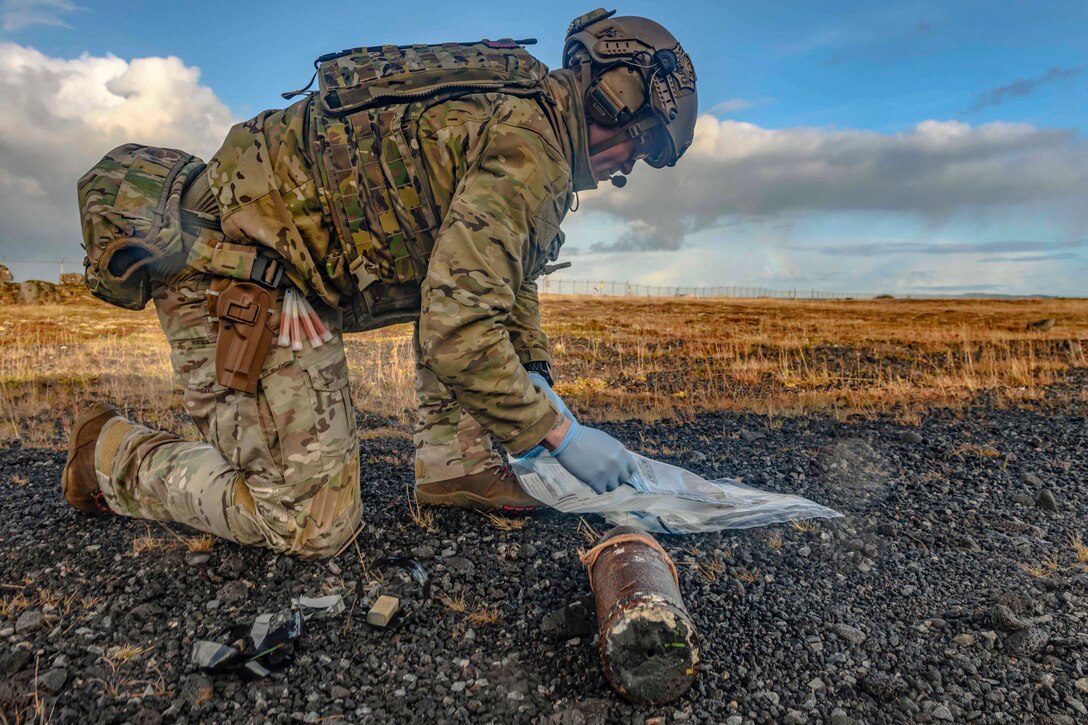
[664, 498]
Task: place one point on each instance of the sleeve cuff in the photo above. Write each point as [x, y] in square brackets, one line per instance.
[531, 436]
[534, 354]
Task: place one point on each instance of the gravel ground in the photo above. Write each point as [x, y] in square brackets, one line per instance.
[951, 591]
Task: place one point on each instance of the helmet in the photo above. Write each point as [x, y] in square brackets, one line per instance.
[635, 77]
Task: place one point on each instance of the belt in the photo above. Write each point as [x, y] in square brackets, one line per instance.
[199, 216]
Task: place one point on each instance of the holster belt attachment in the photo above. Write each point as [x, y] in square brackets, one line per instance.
[244, 311]
[245, 262]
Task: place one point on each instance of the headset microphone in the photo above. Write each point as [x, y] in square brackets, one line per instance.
[619, 181]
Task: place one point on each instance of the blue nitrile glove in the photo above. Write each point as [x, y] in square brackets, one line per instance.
[596, 458]
[591, 455]
[542, 384]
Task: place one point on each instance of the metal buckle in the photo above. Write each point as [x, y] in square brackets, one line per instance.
[261, 266]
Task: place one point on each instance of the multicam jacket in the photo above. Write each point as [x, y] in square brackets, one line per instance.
[501, 171]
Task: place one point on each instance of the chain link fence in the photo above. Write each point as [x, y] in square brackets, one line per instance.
[606, 288]
[51, 269]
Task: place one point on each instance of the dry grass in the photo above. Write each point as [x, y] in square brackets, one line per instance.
[505, 523]
[783, 357]
[775, 541]
[421, 517]
[41, 714]
[712, 571]
[53, 604]
[981, 451]
[454, 604]
[11, 606]
[805, 526]
[479, 615]
[589, 532]
[119, 683]
[148, 542]
[753, 576]
[1042, 569]
[17, 479]
[1080, 550]
[483, 614]
[616, 359]
[199, 544]
[126, 652]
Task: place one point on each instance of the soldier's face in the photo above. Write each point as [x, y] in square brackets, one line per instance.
[618, 158]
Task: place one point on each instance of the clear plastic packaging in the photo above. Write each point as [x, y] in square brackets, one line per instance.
[664, 499]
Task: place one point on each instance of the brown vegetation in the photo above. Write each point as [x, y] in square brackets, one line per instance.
[616, 358]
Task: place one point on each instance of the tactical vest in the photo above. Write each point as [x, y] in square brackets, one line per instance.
[370, 175]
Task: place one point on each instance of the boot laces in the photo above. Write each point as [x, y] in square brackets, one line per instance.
[100, 502]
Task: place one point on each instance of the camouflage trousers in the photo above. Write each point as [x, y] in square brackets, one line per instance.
[278, 469]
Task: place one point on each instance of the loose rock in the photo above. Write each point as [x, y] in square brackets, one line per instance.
[29, 621]
[1047, 501]
[1003, 618]
[849, 633]
[53, 680]
[1026, 642]
[574, 620]
[910, 436]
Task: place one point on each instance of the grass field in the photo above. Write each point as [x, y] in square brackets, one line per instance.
[616, 358]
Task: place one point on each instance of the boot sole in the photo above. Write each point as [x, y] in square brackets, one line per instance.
[84, 418]
[468, 501]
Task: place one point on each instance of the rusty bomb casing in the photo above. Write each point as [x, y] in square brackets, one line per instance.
[648, 645]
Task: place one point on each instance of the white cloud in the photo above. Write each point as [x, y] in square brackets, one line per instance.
[935, 171]
[731, 105]
[18, 14]
[60, 116]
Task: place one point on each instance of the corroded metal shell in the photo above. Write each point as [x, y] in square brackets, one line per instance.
[648, 645]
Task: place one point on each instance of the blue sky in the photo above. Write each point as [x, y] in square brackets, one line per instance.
[824, 121]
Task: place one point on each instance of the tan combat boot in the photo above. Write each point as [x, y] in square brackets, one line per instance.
[495, 489]
[78, 481]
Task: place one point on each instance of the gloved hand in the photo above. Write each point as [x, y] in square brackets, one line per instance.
[596, 458]
[590, 455]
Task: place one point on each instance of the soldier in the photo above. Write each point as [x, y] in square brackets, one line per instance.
[438, 202]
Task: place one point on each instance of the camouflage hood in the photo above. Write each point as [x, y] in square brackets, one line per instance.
[571, 126]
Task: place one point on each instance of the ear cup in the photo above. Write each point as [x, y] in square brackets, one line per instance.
[615, 96]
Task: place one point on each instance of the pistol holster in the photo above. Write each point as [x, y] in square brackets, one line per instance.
[245, 332]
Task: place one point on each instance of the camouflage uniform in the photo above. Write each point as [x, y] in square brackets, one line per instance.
[280, 469]
[449, 441]
[277, 469]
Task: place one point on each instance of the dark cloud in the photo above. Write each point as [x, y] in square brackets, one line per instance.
[880, 249]
[643, 236]
[1023, 87]
[1033, 258]
[934, 172]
